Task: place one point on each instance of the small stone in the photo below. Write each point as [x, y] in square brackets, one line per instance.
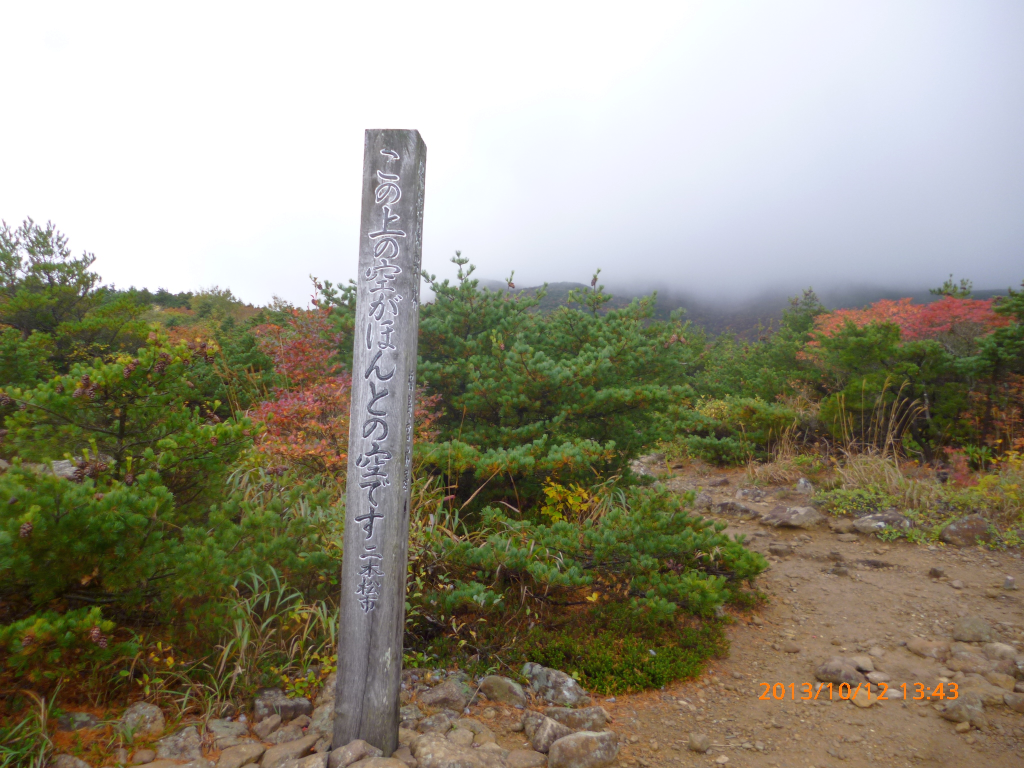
[555, 686]
[525, 758]
[966, 532]
[1001, 680]
[265, 727]
[403, 754]
[227, 733]
[183, 745]
[585, 749]
[957, 584]
[863, 698]
[929, 649]
[143, 756]
[410, 712]
[460, 736]
[803, 485]
[68, 761]
[972, 629]
[790, 647]
[848, 537]
[1009, 583]
[699, 742]
[439, 723]
[757, 621]
[992, 594]
[876, 652]
[586, 719]
[966, 708]
[378, 762]
[542, 731]
[78, 721]
[793, 517]
[721, 760]
[936, 573]
[243, 754]
[452, 694]
[841, 570]
[143, 720]
[839, 670]
[277, 756]
[863, 663]
[880, 521]
[780, 549]
[962, 727]
[273, 700]
[503, 690]
[875, 678]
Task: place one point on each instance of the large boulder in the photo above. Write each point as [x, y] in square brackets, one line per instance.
[270, 701]
[972, 629]
[793, 517]
[183, 745]
[525, 758]
[554, 686]
[451, 694]
[503, 690]
[143, 720]
[966, 531]
[586, 719]
[585, 749]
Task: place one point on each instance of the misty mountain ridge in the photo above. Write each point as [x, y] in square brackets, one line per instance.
[747, 318]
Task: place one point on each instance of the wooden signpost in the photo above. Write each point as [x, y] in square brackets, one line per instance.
[380, 441]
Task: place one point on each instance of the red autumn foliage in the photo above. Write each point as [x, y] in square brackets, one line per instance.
[306, 423]
[950, 319]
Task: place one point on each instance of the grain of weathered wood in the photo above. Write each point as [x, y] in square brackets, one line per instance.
[380, 440]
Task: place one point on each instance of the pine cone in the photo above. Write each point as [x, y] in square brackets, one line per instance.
[26, 530]
[58, 388]
[78, 392]
[5, 399]
[129, 479]
[97, 637]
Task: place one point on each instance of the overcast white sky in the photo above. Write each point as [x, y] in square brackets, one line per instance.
[700, 146]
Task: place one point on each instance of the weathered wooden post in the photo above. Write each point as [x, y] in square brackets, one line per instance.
[380, 441]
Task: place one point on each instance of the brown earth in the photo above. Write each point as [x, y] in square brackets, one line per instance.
[813, 613]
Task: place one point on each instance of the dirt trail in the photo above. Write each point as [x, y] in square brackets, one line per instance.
[884, 598]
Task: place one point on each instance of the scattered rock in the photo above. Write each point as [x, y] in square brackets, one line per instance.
[351, 753]
[451, 694]
[326, 695]
[780, 549]
[702, 501]
[967, 531]
[460, 736]
[880, 520]
[972, 629]
[291, 731]
[503, 690]
[68, 761]
[143, 719]
[143, 756]
[750, 494]
[585, 749]
[379, 762]
[735, 509]
[839, 670]
[848, 537]
[998, 651]
[77, 721]
[793, 517]
[586, 719]
[243, 754]
[790, 647]
[322, 721]
[439, 723]
[432, 750]
[405, 756]
[957, 584]
[803, 485]
[875, 678]
[841, 525]
[1014, 701]
[273, 700]
[554, 686]
[226, 733]
[1009, 583]
[862, 663]
[183, 745]
[525, 758]
[542, 731]
[863, 698]
[699, 742]
[313, 761]
[936, 573]
[966, 708]
[929, 649]
[264, 728]
[292, 750]
[718, 482]
[410, 712]
[1001, 680]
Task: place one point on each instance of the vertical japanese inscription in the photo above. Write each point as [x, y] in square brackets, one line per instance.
[380, 440]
